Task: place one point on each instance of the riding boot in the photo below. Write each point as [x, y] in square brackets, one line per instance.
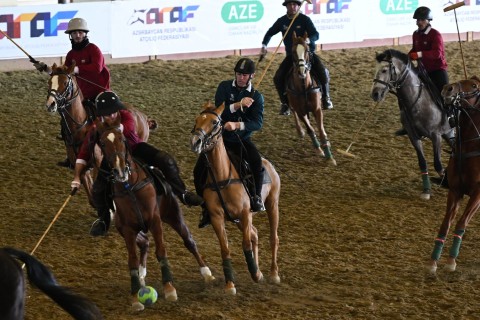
[170, 170]
[401, 132]
[205, 218]
[65, 163]
[257, 203]
[101, 225]
[326, 101]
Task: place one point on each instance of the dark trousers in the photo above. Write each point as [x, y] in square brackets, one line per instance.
[439, 79]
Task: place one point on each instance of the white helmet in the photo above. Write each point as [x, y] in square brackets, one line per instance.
[77, 24]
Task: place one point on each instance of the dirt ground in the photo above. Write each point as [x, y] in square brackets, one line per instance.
[353, 238]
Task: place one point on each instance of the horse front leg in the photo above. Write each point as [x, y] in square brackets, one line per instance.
[453, 203]
[422, 163]
[324, 143]
[143, 245]
[129, 236]
[250, 247]
[169, 291]
[218, 225]
[271, 205]
[172, 215]
[472, 207]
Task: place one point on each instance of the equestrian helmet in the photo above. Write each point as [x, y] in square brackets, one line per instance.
[245, 66]
[423, 13]
[76, 24]
[288, 1]
[107, 103]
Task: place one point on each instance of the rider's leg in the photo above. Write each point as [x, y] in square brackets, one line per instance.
[167, 164]
[321, 73]
[101, 202]
[279, 81]
[255, 162]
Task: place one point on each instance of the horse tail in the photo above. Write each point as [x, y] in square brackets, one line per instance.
[78, 307]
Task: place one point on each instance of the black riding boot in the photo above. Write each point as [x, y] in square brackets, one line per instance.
[170, 170]
[101, 201]
[205, 218]
[101, 225]
[257, 203]
[326, 101]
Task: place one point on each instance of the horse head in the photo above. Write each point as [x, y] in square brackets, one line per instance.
[464, 93]
[301, 59]
[114, 148]
[207, 129]
[60, 87]
[390, 73]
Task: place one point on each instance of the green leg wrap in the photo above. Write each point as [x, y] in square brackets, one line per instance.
[228, 270]
[426, 181]
[252, 266]
[437, 249]
[165, 268]
[134, 281]
[457, 241]
[315, 142]
[327, 150]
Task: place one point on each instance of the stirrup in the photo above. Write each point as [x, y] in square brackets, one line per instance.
[284, 110]
[99, 228]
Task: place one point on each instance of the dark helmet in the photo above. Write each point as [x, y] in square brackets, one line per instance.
[423, 13]
[288, 1]
[107, 103]
[245, 66]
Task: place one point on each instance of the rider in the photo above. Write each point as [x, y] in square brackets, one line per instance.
[242, 116]
[108, 108]
[93, 74]
[427, 47]
[301, 25]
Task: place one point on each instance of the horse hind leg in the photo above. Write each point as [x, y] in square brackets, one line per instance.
[172, 215]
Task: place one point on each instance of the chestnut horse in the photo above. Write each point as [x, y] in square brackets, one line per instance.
[463, 170]
[305, 98]
[65, 97]
[140, 209]
[421, 114]
[227, 199]
[12, 288]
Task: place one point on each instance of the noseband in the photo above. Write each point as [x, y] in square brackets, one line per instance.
[210, 139]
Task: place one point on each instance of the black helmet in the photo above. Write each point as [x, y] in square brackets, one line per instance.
[423, 13]
[245, 66]
[107, 103]
[288, 1]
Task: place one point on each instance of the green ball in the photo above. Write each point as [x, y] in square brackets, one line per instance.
[147, 295]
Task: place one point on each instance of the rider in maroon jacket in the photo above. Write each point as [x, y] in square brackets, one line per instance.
[427, 47]
[109, 108]
[93, 75]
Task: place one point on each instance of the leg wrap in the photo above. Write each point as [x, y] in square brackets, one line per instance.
[165, 268]
[327, 149]
[134, 281]
[252, 266]
[228, 270]
[438, 247]
[315, 142]
[457, 241]
[426, 181]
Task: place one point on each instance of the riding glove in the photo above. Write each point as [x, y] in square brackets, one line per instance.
[40, 66]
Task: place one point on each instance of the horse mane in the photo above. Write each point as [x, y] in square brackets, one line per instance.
[62, 69]
[388, 54]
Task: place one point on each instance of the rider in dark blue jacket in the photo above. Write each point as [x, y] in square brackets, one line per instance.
[301, 25]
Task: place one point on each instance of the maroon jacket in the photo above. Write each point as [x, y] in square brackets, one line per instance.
[430, 43]
[91, 66]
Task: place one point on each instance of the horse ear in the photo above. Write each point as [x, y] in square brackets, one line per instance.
[305, 35]
[294, 35]
[475, 78]
[54, 66]
[207, 105]
[220, 109]
[71, 69]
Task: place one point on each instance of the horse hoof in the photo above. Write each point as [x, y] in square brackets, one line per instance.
[425, 196]
[231, 291]
[275, 279]
[171, 295]
[450, 267]
[207, 274]
[137, 306]
[258, 277]
[332, 161]
[431, 269]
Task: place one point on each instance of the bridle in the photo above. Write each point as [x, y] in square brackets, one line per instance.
[462, 98]
[63, 99]
[209, 140]
[396, 80]
[302, 62]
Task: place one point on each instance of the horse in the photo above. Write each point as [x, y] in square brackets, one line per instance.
[420, 113]
[65, 97]
[12, 288]
[305, 98]
[463, 168]
[138, 210]
[226, 197]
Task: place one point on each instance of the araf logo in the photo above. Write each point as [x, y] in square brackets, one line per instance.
[40, 23]
[157, 15]
[242, 11]
[331, 6]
